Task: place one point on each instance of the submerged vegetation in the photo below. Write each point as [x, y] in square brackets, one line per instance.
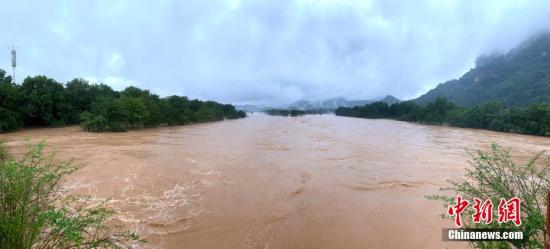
[36, 211]
[494, 176]
[41, 101]
[534, 119]
[294, 112]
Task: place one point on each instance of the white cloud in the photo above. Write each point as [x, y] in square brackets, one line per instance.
[116, 62]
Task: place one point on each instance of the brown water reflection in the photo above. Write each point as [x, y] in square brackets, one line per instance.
[271, 182]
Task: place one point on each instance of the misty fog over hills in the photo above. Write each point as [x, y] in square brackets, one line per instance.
[517, 78]
[326, 104]
[334, 103]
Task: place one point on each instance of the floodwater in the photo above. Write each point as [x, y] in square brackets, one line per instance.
[318, 181]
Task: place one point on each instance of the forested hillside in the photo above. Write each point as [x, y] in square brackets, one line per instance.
[517, 78]
[41, 101]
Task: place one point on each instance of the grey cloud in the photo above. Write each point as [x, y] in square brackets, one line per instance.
[265, 52]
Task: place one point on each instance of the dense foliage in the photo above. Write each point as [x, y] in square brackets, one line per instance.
[534, 119]
[41, 101]
[35, 212]
[494, 176]
[294, 112]
[518, 78]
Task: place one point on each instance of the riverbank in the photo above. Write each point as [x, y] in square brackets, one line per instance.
[532, 120]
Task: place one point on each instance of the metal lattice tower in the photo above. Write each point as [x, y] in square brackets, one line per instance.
[13, 60]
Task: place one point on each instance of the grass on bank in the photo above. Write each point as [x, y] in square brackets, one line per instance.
[493, 176]
[36, 211]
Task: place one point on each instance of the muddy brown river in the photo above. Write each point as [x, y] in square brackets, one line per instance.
[316, 181]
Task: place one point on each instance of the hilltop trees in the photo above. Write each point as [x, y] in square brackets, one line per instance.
[42, 101]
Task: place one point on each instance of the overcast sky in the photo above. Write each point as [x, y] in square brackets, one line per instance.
[264, 52]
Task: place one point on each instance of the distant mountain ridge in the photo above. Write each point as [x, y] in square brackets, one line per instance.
[517, 78]
[327, 104]
[334, 103]
[251, 108]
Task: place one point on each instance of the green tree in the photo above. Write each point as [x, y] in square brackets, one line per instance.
[10, 100]
[537, 119]
[134, 111]
[45, 102]
[152, 102]
[437, 111]
[177, 110]
[105, 115]
[80, 96]
[41, 101]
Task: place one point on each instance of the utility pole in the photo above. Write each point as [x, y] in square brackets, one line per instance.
[13, 60]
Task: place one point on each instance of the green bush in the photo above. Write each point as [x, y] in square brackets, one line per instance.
[493, 176]
[9, 120]
[36, 213]
[4, 155]
[89, 122]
